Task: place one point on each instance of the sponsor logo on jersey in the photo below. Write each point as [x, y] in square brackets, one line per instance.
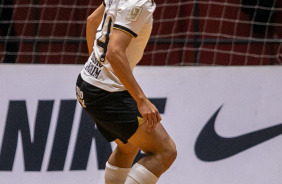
[94, 68]
[134, 13]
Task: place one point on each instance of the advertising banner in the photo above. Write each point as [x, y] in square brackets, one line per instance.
[226, 123]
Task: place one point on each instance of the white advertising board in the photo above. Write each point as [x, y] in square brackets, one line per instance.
[226, 123]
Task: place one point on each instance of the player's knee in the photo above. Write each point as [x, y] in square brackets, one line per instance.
[168, 155]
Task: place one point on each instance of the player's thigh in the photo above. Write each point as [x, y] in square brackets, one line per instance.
[155, 141]
[127, 148]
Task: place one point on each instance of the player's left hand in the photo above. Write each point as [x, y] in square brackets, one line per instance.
[150, 114]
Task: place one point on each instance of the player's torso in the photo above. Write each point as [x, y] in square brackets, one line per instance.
[105, 30]
[125, 15]
[130, 11]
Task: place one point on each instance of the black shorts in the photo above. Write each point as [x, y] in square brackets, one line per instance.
[115, 113]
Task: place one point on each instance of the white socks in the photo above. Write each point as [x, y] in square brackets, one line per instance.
[140, 175]
[115, 175]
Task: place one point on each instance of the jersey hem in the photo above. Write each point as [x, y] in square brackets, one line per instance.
[125, 29]
[99, 84]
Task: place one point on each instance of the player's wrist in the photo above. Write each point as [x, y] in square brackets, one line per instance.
[141, 99]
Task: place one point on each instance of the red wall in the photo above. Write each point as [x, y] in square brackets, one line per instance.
[54, 22]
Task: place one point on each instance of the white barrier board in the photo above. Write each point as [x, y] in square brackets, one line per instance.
[225, 121]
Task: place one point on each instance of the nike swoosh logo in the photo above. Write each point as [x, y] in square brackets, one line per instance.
[210, 146]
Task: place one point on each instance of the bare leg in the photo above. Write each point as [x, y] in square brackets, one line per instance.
[124, 155]
[160, 154]
[159, 148]
[119, 163]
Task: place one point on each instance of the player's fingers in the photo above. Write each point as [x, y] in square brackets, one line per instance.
[155, 119]
[159, 117]
[145, 120]
[150, 124]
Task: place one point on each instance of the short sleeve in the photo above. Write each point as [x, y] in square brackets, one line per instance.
[132, 18]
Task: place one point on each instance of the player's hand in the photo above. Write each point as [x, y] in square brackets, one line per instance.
[150, 114]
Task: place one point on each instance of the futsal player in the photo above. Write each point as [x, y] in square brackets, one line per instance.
[117, 33]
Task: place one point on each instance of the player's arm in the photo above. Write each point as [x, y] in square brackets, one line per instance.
[93, 22]
[116, 55]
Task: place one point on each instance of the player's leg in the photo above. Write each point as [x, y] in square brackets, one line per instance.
[123, 155]
[160, 154]
[120, 162]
